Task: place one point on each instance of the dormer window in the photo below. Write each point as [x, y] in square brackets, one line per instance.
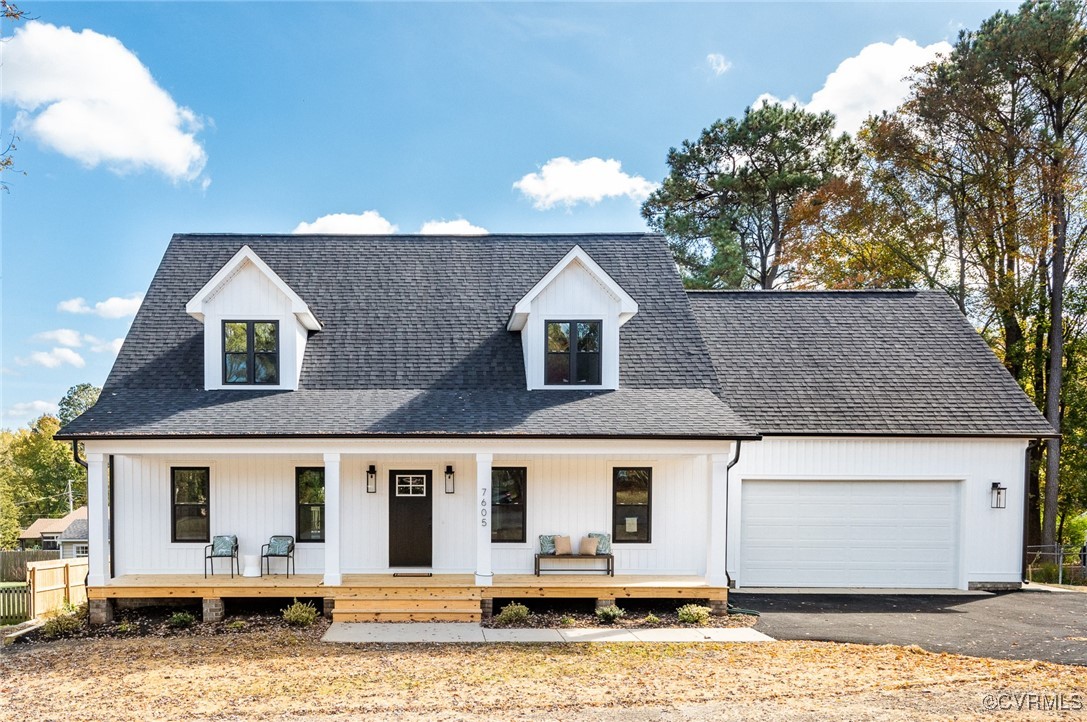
[251, 352]
[573, 353]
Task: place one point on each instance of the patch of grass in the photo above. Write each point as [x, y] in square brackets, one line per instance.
[181, 620]
[567, 620]
[512, 613]
[300, 614]
[125, 627]
[694, 614]
[236, 626]
[609, 614]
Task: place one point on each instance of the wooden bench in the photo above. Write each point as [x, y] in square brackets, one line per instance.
[610, 559]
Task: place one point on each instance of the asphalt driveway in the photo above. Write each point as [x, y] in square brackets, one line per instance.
[1042, 625]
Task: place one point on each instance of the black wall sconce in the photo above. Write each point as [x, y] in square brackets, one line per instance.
[449, 480]
[371, 480]
[999, 496]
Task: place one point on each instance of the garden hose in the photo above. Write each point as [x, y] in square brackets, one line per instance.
[737, 610]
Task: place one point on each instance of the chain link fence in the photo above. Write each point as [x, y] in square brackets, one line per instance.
[1057, 564]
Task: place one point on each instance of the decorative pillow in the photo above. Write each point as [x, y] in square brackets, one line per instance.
[279, 545]
[603, 542]
[588, 546]
[547, 544]
[562, 545]
[223, 546]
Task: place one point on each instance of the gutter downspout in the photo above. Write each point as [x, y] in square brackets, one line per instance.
[1031, 445]
[728, 468]
[75, 454]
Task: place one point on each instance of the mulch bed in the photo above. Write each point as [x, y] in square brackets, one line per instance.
[639, 614]
[155, 622]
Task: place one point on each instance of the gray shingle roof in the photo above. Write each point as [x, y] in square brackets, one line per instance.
[413, 342]
[869, 362]
[76, 531]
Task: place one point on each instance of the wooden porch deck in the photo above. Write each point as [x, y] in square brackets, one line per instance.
[384, 597]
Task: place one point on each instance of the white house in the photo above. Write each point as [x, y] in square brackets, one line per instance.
[433, 405]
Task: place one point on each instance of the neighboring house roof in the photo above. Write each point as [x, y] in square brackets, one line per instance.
[859, 362]
[76, 531]
[52, 526]
[414, 342]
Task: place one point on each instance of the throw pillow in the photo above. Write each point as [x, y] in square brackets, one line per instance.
[603, 542]
[588, 546]
[562, 545]
[547, 544]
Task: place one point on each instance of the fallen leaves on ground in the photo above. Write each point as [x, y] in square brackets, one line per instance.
[287, 674]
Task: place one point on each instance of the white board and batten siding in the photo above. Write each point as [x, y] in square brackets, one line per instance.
[253, 496]
[854, 512]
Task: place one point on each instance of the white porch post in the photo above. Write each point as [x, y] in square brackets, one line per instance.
[716, 574]
[484, 575]
[333, 578]
[97, 521]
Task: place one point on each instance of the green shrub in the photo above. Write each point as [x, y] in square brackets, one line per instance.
[1044, 573]
[566, 620]
[125, 627]
[610, 614]
[61, 624]
[512, 613]
[181, 620]
[236, 626]
[300, 614]
[694, 614]
[652, 618]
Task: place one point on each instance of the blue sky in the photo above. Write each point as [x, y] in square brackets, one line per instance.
[140, 120]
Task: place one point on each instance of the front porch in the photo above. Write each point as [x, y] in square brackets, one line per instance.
[385, 597]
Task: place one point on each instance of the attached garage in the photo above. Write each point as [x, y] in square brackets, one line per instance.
[877, 534]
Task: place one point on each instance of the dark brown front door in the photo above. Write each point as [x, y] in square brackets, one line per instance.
[409, 519]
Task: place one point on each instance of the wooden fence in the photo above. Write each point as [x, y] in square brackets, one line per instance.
[52, 583]
[13, 563]
[14, 603]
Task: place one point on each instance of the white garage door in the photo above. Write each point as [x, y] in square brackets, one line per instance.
[849, 534]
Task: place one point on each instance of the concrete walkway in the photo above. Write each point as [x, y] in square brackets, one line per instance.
[460, 633]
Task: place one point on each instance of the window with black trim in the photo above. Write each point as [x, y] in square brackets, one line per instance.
[632, 515]
[309, 494]
[573, 353]
[508, 502]
[250, 352]
[190, 494]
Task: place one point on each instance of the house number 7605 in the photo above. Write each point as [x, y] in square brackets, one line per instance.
[483, 507]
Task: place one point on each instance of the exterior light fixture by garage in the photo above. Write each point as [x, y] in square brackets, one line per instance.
[449, 481]
[371, 480]
[999, 496]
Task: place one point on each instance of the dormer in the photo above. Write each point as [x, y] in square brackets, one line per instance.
[569, 324]
[255, 326]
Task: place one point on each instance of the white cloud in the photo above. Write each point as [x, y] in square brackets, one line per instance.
[569, 182]
[52, 359]
[718, 63]
[25, 410]
[366, 223]
[459, 227]
[112, 307]
[98, 345]
[873, 80]
[63, 336]
[87, 96]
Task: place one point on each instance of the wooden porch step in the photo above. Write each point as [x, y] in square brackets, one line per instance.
[459, 605]
[355, 592]
[405, 616]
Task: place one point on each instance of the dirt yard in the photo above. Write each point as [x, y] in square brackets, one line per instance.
[281, 674]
